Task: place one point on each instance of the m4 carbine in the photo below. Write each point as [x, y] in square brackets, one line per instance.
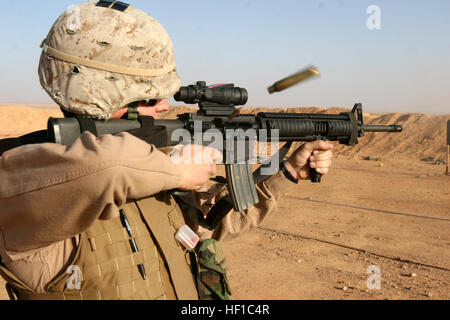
[218, 113]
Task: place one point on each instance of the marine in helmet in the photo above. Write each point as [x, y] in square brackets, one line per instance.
[95, 220]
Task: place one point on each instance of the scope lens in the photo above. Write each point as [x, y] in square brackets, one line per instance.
[187, 95]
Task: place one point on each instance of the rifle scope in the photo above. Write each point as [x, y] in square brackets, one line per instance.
[221, 94]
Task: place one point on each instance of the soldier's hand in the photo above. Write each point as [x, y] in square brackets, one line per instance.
[198, 164]
[317, 155]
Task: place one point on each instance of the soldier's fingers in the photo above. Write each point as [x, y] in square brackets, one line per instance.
[321, 156]
[212, 170]
[311, 148]
[322, 170]
[215, 155]
[318, 146]
[320, 164]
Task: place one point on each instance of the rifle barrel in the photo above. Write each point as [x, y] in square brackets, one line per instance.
[392, 128]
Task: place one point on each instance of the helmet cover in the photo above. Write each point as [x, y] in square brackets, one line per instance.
[96, 60]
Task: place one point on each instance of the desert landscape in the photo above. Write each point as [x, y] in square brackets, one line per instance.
[385, 203]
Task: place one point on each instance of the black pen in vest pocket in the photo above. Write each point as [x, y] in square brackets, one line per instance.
[134, 247]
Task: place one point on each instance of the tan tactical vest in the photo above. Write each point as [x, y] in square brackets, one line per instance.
[104, 266]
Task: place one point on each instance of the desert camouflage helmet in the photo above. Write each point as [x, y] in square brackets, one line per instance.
[99, 56]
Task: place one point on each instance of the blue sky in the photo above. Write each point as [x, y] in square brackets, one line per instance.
[404, 67]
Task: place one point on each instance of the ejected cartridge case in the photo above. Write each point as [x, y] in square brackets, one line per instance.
[294, 79]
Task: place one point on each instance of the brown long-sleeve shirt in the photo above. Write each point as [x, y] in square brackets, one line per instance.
[50, 194]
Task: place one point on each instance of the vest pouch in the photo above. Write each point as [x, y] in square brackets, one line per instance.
[212, 281]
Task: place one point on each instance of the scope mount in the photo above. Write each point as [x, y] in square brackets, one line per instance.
[218, 100]
[215, 110]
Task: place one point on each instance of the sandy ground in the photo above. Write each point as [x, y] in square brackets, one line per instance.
[391, 213]
[314, 248]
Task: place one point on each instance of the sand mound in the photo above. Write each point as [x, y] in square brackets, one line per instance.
[424, 135]
[17, 120]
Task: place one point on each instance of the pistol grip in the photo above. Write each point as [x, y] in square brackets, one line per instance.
[315, 176]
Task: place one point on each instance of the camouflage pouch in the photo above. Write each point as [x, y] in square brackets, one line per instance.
[212, 282]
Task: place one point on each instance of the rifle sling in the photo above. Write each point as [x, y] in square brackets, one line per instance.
[32, 138]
